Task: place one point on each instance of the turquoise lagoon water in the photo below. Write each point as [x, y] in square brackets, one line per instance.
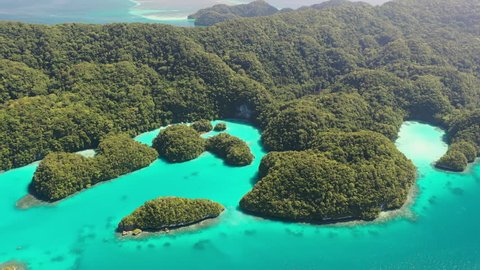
[440, 230]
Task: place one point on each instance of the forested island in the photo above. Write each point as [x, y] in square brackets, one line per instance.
[60, 175]
[169, 213]
[233, 150]
[345, 176]
[220, 127]
[258, 8]
[220, 13]
[319, 83]
[202, 126]
[179, 143]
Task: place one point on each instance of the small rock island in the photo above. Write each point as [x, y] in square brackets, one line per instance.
[220, 127]
[167, 213]
[202, 126]
[220, 13]
[233, 150]
[179, 143]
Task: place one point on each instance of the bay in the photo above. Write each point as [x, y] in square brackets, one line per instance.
[438, 231]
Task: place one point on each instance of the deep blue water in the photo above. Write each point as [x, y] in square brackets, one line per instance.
[438, 231]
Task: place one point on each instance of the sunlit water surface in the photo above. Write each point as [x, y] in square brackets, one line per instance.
[78, 233]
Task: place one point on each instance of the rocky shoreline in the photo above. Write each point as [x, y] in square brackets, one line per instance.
[383, 217]
[178, 228]
[448, 168]
[466, 170]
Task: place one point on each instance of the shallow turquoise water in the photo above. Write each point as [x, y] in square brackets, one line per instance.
[78, 233]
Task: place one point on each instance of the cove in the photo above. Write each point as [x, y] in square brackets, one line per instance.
[78, 233]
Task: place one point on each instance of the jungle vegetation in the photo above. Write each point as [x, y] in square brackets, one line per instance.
[60, 175]
[170, 213]
[202, 126]
[297, 75]
[220, 127]
[232, 149]
[220, 13]
[344, 176]
[179, 143]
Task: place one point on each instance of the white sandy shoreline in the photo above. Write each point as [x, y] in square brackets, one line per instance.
[154, 14]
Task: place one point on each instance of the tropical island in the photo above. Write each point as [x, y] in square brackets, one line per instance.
[60, 175]
[233, 150]
[202, 126]
[179, 143]
[220, 13]
[168, 213]
[333, 181]
[220, 127]
[258, 8]
[318, 82]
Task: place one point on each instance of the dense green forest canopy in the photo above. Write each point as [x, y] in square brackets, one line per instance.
[170, 212]
[220, 13]
[220, 127]
[232, 149]
[345, 175]
[297, 75]
[179, 143]
[202, 126]
[60, 175]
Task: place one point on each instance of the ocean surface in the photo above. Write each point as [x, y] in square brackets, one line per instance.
[440, 230]
[109, 11]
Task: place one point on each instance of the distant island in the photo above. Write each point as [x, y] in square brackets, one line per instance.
[221, 12]
[168, 213]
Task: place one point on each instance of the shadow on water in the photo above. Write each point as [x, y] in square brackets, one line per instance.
[201, 245]
[254, 180]
[457, 191]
